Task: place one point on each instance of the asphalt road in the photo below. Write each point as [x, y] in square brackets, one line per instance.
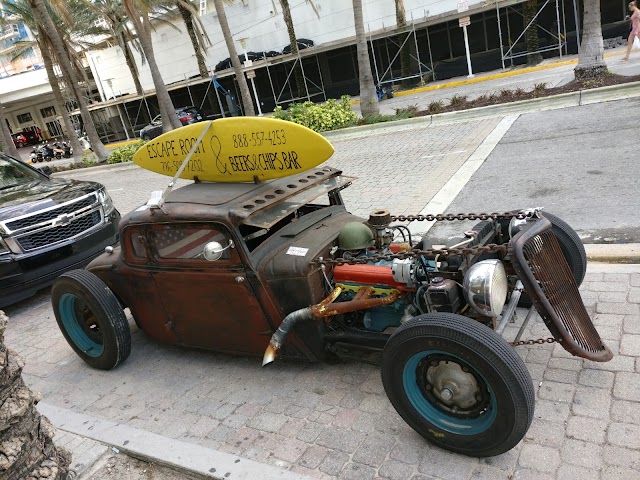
[579, 163]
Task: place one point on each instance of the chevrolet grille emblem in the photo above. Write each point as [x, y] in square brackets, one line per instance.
[61, 220]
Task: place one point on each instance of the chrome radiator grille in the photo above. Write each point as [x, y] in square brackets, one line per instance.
[549, 282]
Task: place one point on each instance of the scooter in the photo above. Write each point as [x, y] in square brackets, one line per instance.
[68, 150]
[58, 151]
[47, 152]
[33, 156]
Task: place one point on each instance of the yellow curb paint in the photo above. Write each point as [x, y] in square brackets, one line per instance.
[494, 76]
[122, 144]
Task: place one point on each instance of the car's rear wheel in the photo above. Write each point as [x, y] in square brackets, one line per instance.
[19, 145]
[91, 319]
[146, 137]
[458, 384]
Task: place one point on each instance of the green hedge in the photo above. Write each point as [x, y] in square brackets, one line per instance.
[320, 117]
[126, 153]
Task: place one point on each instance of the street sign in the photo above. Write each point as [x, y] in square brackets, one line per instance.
[251, 74]
[463, 6]
[464, 21]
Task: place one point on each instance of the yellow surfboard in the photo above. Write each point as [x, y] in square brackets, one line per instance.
[236, 150]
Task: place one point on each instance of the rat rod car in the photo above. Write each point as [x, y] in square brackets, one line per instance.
[281, 267]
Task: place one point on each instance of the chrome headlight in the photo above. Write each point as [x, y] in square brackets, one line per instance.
[105, 201]
[485, 287]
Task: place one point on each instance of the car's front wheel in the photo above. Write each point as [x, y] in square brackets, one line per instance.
[459, 384]
[91, 319]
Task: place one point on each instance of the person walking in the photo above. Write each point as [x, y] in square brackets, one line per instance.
[635, 27]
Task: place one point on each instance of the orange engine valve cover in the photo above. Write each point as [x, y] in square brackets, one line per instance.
[365, 275]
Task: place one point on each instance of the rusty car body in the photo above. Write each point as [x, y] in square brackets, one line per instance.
[259, 269]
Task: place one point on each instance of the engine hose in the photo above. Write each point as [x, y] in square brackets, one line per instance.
[280, 334]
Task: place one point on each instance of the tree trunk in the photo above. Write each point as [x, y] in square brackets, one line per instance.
[591, 62]
[288, 21]
[235, 61]
[531, 36]
[368, 97]
[188, 23]
[405, 53]
[61, 106]
[8, 146]
[131, 63]
[165, 103]
[27, 451]
[42, 17]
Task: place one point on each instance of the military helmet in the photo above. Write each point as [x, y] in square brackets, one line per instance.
[355, 236]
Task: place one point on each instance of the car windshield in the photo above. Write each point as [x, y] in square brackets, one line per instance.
[14, 173]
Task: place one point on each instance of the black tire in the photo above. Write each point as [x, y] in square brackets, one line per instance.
[446, 348]
[571, 246]
[91, 319]
[570, 243]
[146, 137]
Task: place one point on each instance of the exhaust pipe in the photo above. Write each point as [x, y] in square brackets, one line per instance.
[278, 337]
[362, 301]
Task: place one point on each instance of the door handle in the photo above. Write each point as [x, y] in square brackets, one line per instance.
[239, 279]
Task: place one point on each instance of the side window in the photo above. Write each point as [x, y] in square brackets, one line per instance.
[134, 244]
[187, 241]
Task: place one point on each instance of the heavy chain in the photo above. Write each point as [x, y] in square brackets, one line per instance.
[462, 216]
[537, 341]
[432, 252]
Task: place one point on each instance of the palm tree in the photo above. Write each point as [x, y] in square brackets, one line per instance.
[61, 109]
[115, 17]
[591, 62]
[405, 54]
[8, 146]
[28, 450]
[368, 98]
[235, 61]
[138, 12]
[531, 38]
[288, 20]
[197, 34]
[21, 10]
[42, 17]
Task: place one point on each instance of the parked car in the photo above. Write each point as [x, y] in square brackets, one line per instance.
[19, 140]
[280, 267]
[187, 116]
[48, 226]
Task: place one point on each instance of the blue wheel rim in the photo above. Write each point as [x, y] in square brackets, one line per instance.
[437, 416]
[90, 342]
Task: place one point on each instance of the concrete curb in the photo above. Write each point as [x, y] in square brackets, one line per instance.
[563, 100]
[151, 447]
[613, 252]
[99, 168]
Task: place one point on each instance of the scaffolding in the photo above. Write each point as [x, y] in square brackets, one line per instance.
[560, 35]
[297, 61]
[411, 34]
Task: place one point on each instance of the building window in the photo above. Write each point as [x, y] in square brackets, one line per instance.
[54, 128]
[24, 117]
[48, 112]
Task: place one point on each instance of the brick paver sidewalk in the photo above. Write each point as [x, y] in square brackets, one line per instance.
[331, 421]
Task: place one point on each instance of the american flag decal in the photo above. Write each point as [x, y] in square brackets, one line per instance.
[185, 242]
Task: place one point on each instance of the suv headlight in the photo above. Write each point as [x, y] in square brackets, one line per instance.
[105, 201]
[485, 287]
